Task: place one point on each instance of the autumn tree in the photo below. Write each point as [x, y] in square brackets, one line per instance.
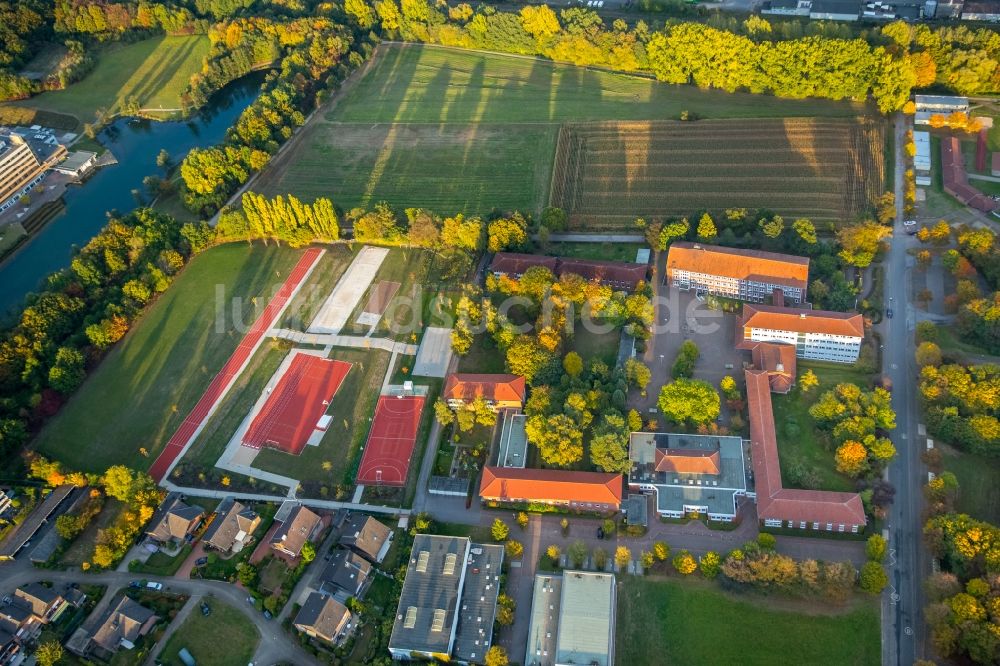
[706, 228]
[859, 243]
[928, 353]
[661, 550]
[496, 656]
[507, 233]
[637, 373]
[49, 653]
[876, 548]
[514, 549]
[710, 564]
[622, 556]
[684, 563]
[573, 364]
[851, 458]
[558, 438]
[499, 530]
[808, 381]
[689, 402]
[873, 577]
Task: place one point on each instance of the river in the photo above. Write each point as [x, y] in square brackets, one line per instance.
[135, 143]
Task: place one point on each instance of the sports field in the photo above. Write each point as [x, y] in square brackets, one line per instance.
[461, 131]
[607, 174]
[155, 71]
[692, 623]
[292, 410]
[391, 441]
[150, 381]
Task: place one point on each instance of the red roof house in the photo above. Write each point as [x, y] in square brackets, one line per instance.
[499, 391]
[593, 491]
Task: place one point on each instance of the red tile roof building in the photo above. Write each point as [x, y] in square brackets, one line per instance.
[583, 491]
[499, 391]
[749, 275]
[778, 361]
[814, 334]
[688, 461]
[785, 507]
[615, 274]
[955, 179]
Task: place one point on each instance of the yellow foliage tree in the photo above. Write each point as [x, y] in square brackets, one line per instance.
[852, 458]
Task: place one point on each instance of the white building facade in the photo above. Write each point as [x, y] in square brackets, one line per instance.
[816, 334]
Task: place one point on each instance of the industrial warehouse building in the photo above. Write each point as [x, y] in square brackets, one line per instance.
[572, 620]
[449, 600]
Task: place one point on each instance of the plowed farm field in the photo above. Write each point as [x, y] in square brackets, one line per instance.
[608, 173]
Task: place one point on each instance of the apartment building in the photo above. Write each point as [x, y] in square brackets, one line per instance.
[816, 334]
[747, 275]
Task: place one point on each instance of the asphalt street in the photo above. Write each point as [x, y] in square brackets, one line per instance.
[902, 620]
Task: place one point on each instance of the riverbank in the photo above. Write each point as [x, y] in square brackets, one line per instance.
[135, 143]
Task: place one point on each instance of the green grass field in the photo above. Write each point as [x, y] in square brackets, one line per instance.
[155, 71]
[149, 382]
[978, 483]
[224, 638]
[692, 623]
[799, 442]
[455, 130]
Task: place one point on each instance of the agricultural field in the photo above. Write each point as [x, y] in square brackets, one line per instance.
[607, 174]
[464, 131]
[155, 71]
[150, 380]
[691, 622]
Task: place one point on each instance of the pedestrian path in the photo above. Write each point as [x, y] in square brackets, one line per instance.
[333, 340]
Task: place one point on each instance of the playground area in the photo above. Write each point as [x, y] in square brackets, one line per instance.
[293, 414]
[391, 440]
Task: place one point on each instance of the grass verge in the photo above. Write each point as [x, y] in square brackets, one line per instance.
[224, 638]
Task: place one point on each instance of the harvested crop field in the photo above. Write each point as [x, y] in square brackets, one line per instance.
[459, 131]
[607, 174]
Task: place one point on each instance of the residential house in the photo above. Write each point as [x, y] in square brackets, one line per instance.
[16, 618]
[232, 528]
[301, 525]
[122, 627]
[347, 575]
[581, 491]
[10, 646]
[499, 391]
[514, 264]
[747, 275]
[448, 602]
[175, 521]
[785, 507]
[325, 618]
[45, 603]
[366, 536]
[814, 334]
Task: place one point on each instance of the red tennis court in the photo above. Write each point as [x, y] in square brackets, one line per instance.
[234, 366]
[391, 441]
[290, 413]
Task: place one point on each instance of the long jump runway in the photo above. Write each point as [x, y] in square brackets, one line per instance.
[293, 408]
[234, 366]
[391, 441]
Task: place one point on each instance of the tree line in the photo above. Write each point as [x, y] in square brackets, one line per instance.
[885, 65]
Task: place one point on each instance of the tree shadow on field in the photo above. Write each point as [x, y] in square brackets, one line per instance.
[161, 72]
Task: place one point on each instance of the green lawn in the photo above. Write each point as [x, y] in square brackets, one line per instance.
[483, 357]
[224, 638]
[487, 125]
[161, 564]
[600, 345]
[978, 482]
[155, 71]
[604, 251]
[801, 448]
[150, 381]
[83, 546]
[693, 623]
[351, 408]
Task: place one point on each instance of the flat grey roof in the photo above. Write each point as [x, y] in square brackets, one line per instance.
[478, 606]
[10, 546]
[675, 489]
[635, 509]
[427, 590]
[586, 619]
[544, 626]
[513, 440]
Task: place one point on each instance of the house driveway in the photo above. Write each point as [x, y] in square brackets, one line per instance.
[185, 570]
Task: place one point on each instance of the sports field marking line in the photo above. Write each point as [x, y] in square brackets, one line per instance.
[316, 254]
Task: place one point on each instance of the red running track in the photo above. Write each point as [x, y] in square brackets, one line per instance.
[391, 440]
[231, 370]
[290, 413]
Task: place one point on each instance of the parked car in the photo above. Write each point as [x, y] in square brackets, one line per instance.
[153, 585]
[267, 614]
[600, 532]
[135, 583]
[888, 313]
[201, 561]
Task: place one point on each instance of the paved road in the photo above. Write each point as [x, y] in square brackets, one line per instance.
[902, 619]
[275, 644]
